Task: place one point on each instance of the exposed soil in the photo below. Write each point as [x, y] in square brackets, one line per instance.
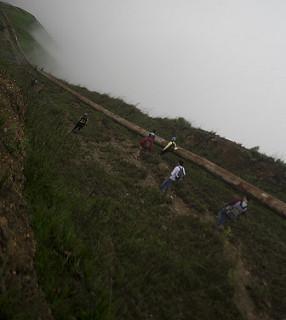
[19, 284]
[241, 278]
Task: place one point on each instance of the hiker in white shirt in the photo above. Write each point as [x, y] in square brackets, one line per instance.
[177, 174]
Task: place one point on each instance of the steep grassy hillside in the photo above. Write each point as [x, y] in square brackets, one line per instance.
[110, 246]
[26, 26]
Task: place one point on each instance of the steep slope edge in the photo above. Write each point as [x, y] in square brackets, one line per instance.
[19, 284]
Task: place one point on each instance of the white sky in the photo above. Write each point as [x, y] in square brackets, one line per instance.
[219, 63]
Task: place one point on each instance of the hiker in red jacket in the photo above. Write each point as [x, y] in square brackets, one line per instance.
[146, 144]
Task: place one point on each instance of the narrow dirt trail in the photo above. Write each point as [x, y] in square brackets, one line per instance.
[241, 279]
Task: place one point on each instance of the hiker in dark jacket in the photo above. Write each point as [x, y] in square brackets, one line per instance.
[170, 146]
[232, 210]
[177, 174]
[81, 123]
[34, 82]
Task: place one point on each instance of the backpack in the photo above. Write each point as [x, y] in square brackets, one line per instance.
[232, 211]
[180, 174]
[83, 120]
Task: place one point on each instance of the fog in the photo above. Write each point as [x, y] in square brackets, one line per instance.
[218, 63]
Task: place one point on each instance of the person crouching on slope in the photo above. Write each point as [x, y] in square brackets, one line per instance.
[232, 210]
[170, 146]
[177, 174]
[146, 144]
[81, 123]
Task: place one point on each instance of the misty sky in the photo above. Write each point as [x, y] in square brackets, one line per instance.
[221, 64]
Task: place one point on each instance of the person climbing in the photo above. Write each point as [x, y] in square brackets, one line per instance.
[177, 174]
[232, 210]
[146, 144]
[81, 123]
[170, 146]
[34, 82]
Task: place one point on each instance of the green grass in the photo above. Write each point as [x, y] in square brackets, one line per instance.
[109, 239]
[246, 163]
[110, 247]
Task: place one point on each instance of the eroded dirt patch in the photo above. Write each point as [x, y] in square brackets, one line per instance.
[241, 279]
[19, 291]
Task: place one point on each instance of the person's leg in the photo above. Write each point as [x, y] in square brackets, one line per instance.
[221, 217]
[166, 148]
[140, 153]
[163, 186]
[75, 128]
[80, 126]
[166, 185]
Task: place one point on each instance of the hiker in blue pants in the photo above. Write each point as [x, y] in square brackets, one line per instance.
[177, 174]
[232, 210]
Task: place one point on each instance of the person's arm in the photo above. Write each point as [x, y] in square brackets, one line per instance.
[244, 210]
[184, 172]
